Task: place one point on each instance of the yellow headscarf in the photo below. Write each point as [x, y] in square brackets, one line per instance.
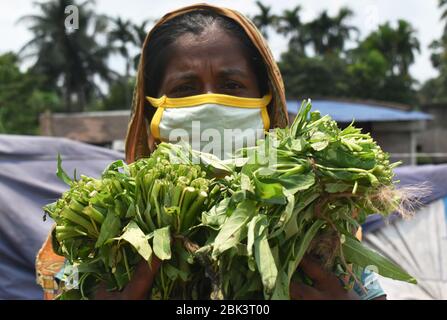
[139, 142]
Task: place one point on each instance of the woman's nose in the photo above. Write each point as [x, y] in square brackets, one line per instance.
[209, 88]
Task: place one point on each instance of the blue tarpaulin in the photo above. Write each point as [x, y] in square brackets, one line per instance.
[432, 177]
[27, 182]
[342, 111]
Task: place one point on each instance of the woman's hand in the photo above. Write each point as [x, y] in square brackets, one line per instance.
[137, 288]
[326, 285]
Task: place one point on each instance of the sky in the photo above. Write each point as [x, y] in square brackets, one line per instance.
[423, 14]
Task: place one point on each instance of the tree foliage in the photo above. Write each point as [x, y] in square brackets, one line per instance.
[318, 64]
[435, 89]
[21, 100]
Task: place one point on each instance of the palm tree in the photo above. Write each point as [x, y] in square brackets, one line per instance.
[439, 47]
[289, 24]
[341, 31]
[264, 19]
[329, 34]
[442, 4]
[397, 45]
[407, 45]
[121, 36]
[140, 31]
[70, 60]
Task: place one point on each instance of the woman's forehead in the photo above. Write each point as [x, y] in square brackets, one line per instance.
[216, 49]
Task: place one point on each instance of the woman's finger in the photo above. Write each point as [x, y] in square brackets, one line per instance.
[314, 270]
[146, 272]
[300, 291]
[137, 288]
[142, 279]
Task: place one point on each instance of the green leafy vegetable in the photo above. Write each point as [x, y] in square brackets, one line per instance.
[233, 229]
[358, 254]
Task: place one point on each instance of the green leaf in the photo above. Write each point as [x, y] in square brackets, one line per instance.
[114, 166]
[281, 291]
[297, 145]
[217, 215]
[251, 284]
[269, 192]
[231, 232]
[173, 273]
[73, 294]
[336, 155]
[134, 235]
[130, 211]
[319, 141]
[251, 235]
[162, 243]
[356, 253]
[303, 245]
[320, 145]
[300, 118]
[305, 199]
[110, 228]
[264, 258]
[121, 276]
[286, 215]
[61, 174]
[246, 183]
[297, 182]
[337, 187]
[213, 163]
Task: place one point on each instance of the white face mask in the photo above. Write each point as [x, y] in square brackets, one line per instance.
[214, 123]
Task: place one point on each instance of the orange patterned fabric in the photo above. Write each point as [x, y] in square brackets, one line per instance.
[48, 264]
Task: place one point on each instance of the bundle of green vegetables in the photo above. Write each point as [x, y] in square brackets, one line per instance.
[232, 230]
[304, 189]
[105, 226]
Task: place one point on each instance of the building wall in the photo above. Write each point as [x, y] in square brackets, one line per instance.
[100, 128]
[434, 138]
[399, 137]
[394, 142]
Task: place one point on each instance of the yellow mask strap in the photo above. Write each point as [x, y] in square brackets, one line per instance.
[231, 101]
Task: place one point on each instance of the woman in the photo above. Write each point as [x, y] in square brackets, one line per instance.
[192, 61]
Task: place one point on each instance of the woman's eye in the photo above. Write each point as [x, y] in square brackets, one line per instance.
[183, 88]
[232, 85]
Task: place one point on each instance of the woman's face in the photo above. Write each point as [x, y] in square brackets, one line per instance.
[213, 62]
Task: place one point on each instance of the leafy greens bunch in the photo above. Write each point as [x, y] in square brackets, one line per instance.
[232, 229]
[304, 189]
[105, 226]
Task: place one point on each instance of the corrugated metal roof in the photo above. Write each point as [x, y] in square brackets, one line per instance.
[342, 111]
